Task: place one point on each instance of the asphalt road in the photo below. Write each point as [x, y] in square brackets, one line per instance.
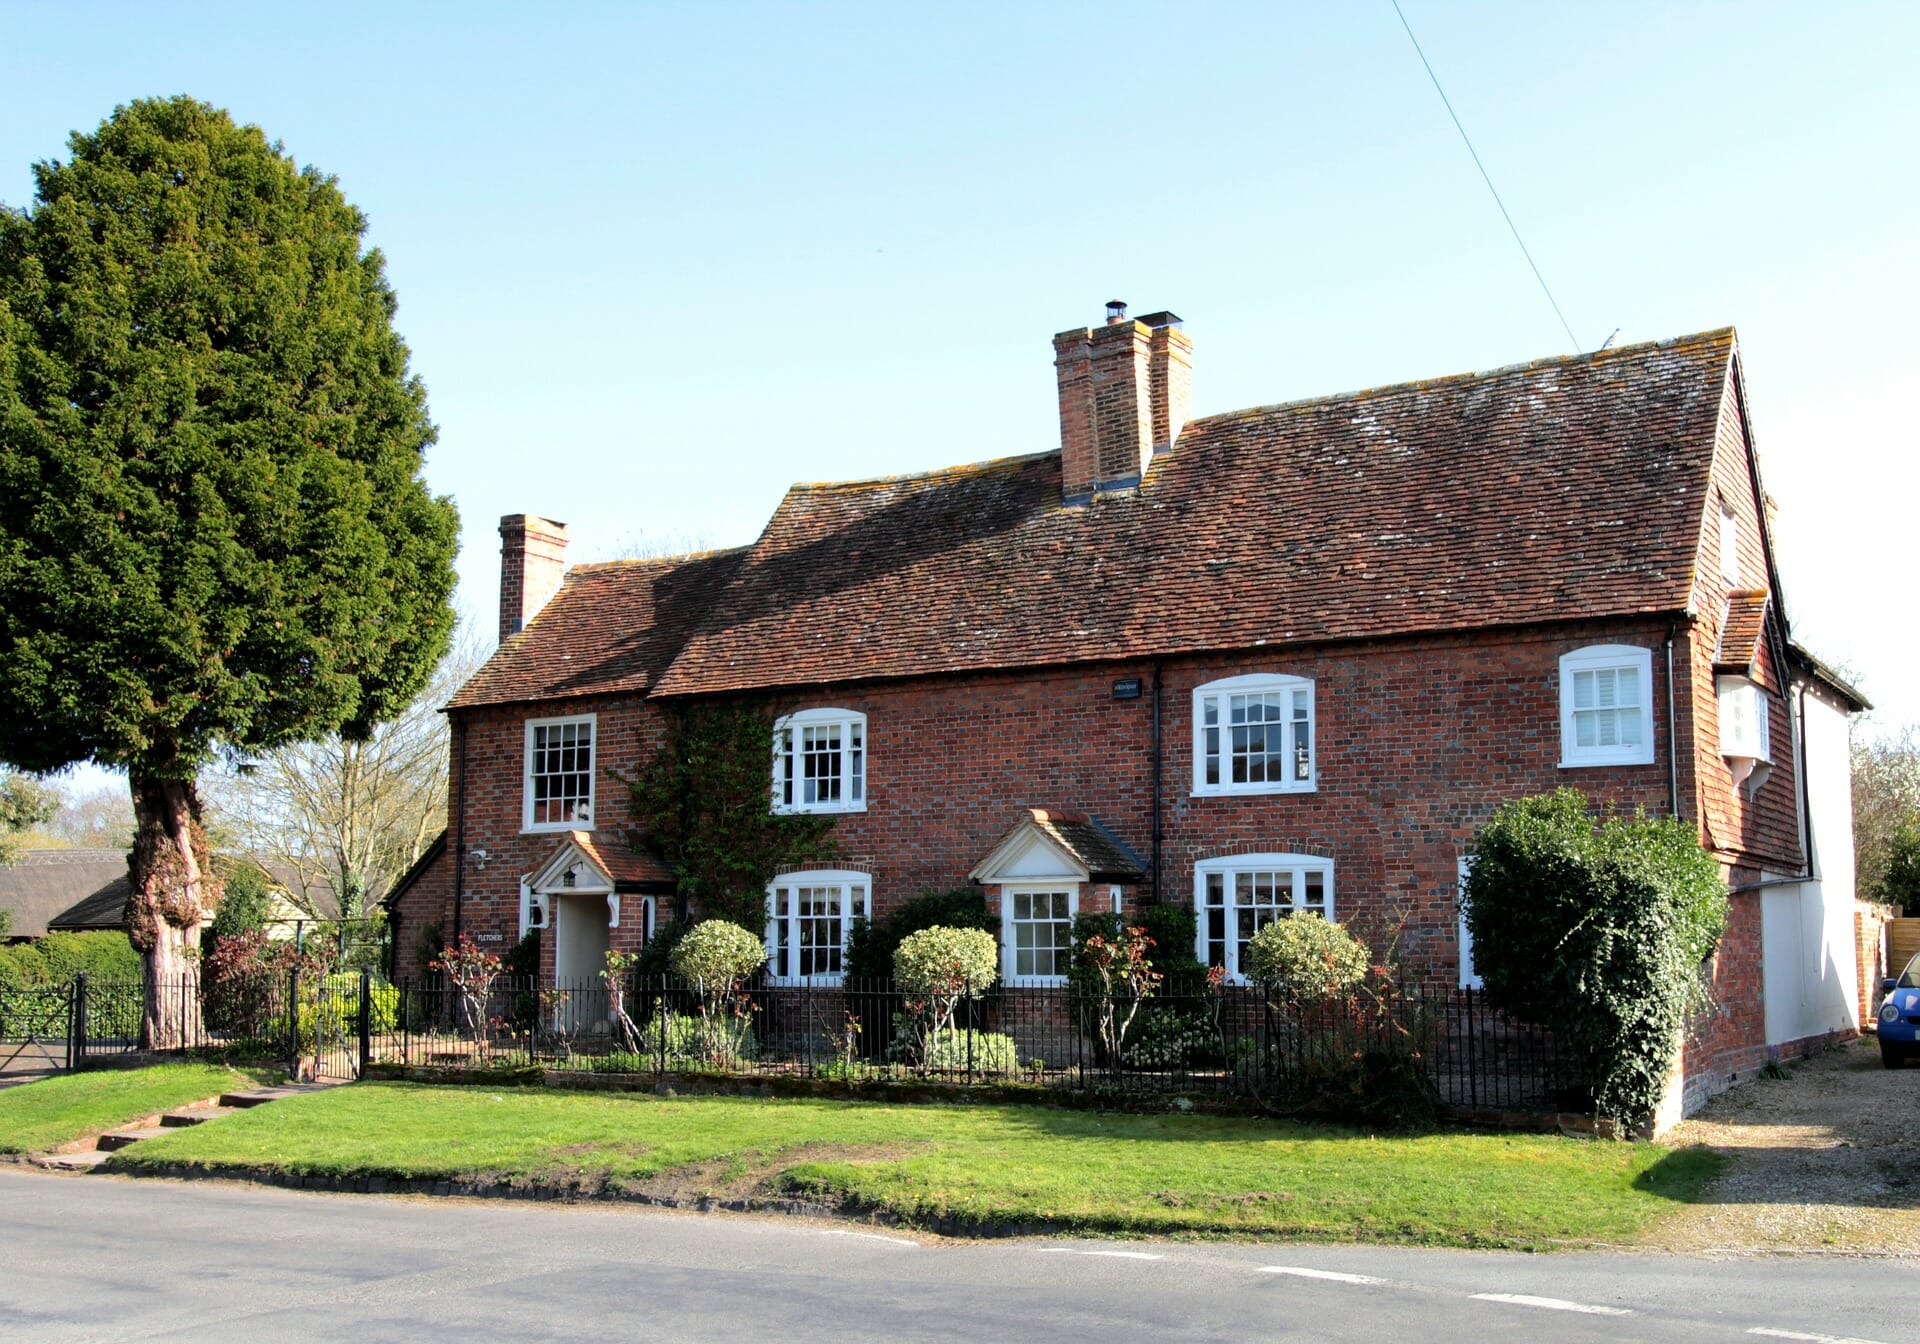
[108, 1258]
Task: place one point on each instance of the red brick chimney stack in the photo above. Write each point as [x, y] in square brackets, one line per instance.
[533, 559]
[1125, 389]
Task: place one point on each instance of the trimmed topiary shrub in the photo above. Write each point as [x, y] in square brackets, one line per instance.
[715, 957]
[934, 969]
[1306, 959]
[1600, 932]
[872, 943]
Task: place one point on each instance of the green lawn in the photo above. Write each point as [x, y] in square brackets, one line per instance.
[1070, 1170]
[46, 1114]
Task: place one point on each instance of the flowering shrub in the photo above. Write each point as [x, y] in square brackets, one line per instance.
[1122, 977]
[1173, 1038]
[934, 968]
[1306, 959]
[620, 965]
[472, 969]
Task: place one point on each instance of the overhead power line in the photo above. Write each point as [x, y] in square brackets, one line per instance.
[1485, 177]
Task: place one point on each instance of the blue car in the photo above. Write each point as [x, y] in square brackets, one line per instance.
[1899, 1025]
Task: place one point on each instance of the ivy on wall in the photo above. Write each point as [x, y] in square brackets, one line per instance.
[703, 804]
[1600, 930]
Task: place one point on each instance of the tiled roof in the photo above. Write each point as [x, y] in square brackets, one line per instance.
[611, 627]
[1561, 489]
[1741, 630]
[627, 869]
[65, 889]
[1105, 856]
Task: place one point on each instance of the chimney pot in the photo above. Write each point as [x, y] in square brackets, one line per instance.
[1116, 311]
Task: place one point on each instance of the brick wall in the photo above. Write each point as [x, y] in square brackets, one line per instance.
[1870, 921]
[1417, 742]
[427, 902]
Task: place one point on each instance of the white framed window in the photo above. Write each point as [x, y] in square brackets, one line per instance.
[1253, 734]
[820, 761]
[1729, 544]
[558, 788]
[1606, 706]
[1469, 977]
[1237, 896]
[809, 918]
[1744, 730]
[1036, 932]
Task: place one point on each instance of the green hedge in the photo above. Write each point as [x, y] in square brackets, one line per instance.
[106, 955]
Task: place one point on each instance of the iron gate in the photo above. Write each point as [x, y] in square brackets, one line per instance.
[36, 1024]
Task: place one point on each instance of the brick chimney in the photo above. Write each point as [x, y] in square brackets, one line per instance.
[533, 559]
[1125, 389]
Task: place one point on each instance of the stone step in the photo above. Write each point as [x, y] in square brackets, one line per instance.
[260, 1096]
[116, 1139]
[73, 1161]
[198, 1115]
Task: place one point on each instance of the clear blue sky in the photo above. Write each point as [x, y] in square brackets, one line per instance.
[656, 262]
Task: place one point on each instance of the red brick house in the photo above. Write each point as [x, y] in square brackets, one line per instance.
[1276, 659]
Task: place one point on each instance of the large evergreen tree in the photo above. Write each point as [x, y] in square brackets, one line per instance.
[213, 531]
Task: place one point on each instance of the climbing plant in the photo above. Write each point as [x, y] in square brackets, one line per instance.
[703, 804]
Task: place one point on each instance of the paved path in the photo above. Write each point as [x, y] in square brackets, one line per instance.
[110, 1258]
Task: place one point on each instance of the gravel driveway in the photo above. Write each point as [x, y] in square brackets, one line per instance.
[1827, 1160]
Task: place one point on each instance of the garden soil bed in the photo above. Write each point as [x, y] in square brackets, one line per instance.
[1827, 1161]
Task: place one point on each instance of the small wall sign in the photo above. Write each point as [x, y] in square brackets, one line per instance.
[1127, 688]
[489, 937]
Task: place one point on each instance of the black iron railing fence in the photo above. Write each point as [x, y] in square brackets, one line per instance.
[1229, 1040]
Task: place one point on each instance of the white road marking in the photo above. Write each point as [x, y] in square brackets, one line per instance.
[1300, 1271]
[1816, 1339]
[1550, 1303]
[1117, 1255]
[869, 1236]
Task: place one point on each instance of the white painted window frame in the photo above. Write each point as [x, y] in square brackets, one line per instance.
[1603, 658]
[1469, 977]
[1008, 949]
[1249, 684]
[527, 823]
[846, 879]
[1226, 865]
[853, 760]
[1744, 705]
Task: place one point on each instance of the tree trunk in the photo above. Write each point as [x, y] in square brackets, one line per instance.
[174, 894]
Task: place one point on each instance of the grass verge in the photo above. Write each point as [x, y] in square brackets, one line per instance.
[972, 1166]
[53, 1111]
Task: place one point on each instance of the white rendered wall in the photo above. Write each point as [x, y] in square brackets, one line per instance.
[1806, 930]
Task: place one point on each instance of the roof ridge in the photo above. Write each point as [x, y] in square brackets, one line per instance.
[961, 469]
[1710, 336]
[636, 561]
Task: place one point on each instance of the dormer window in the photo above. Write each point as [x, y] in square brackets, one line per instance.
[1253, 734]
[820, 761]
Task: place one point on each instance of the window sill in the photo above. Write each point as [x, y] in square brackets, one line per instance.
[819, 811]
[806, 981]
[1255, 790]
[1590, 763]
[1034, 981]
[555, 827]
